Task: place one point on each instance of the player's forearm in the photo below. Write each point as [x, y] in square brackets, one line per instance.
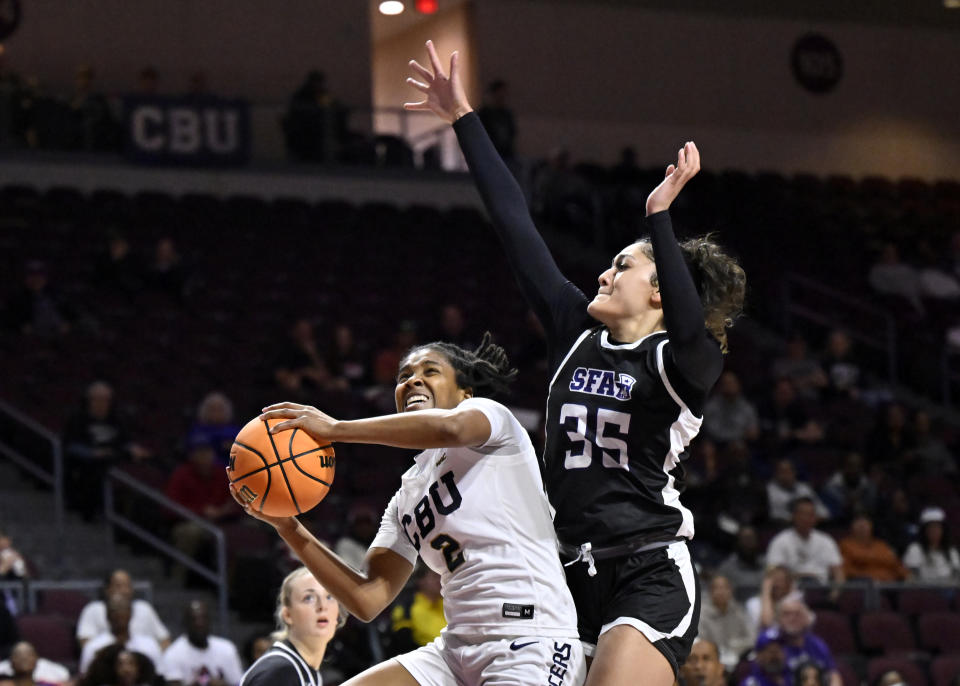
[419, 430]
[363, 597]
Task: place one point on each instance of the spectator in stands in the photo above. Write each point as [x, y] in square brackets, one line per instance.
[498, 120]
[783, 489]
[385, 364]
[346, 359]
[115, 665]
[93, 122]
[95, 439]
[201, 486]
[893, 678]
[800, 644]
[12, 565]
[257, 646]
[26, 667]
[805, 551]
[933, 559]
[934, 278]
[743, 496]
[703, 666]
[420, 619]
[785, 421]
[745, 566]
[809, 674]
[148, 81]
[896, 520]
[214, 425]
[299, 364]
[37, 309]
[768, 666]
[867, 557]
[724, 622]
[841, 367]
[119, 614]
[167, 274]
[929, 453]
[453, 327]
[315, 124]
[890, 276]
[891, 439]
[198, 659]
[143, 621]
[803, 371]
[362, 526]
[849, 490]
[560, 194]
[118, 270]
[728, 415]
[777, 584]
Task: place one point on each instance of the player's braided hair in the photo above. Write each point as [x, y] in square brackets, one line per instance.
[486, 370]
[720, 281]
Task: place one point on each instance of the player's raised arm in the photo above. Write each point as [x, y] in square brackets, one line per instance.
[528, 255]
[364, 594]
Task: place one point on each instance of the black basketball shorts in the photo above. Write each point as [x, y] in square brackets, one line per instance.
[657, 592]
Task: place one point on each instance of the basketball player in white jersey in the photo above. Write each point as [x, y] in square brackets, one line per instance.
[474, 509]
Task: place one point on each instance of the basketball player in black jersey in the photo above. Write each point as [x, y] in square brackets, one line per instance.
[632, 369]
[307, 617]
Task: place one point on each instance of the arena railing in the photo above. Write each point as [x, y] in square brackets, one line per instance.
[19, 443]
[216, 575]
[833, 309]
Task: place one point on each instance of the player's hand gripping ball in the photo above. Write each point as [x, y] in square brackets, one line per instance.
[282, 474]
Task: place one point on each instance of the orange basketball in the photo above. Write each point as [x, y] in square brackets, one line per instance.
[282, 474]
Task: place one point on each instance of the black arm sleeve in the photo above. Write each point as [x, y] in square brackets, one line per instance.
[695, 353]
[560, 306]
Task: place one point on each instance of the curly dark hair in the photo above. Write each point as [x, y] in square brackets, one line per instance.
[720, 281]
[486, 371]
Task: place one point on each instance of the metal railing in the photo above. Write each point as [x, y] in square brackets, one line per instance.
[863, 327]
[50, 474]
[217, 575]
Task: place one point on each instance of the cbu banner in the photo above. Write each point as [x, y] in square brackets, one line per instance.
[206, 131]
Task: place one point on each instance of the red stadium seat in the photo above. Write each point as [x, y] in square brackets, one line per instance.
[944, 669]
[65, 603]
[909, 670]
[885, 632]
[834, 628]
[50, 634]
[913, 601]
[939, 632]
[847, 673]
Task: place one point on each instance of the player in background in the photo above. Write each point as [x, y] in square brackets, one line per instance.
[632, 369]
[473, 508]
[307, 617]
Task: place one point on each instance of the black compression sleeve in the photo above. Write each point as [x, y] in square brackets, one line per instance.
[540, 279]
[695, 352]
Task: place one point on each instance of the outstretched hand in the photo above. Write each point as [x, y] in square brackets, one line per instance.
[687, 166]
[316, 424]
[444, 94]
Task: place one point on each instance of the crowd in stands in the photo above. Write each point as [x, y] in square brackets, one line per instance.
[163, 339]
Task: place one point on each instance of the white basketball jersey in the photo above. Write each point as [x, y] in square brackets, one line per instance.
[479, 517]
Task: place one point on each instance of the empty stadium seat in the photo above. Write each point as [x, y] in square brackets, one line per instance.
[885, 632]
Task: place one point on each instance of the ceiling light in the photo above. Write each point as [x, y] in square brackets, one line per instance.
[426, 6]
[391, 7]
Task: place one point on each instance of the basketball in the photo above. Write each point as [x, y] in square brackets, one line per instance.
[282, 474]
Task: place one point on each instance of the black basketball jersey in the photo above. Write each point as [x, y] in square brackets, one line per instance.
[281, 665]
[612, 461]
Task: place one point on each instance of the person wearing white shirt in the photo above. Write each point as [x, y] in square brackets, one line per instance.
[24, 660]
[933, 559]
[804, 550]
[144, 619]
[197, 658]
[784, 488]
[118, 618]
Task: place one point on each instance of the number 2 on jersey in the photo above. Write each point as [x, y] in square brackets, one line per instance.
[450, 548]
[610, 430]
